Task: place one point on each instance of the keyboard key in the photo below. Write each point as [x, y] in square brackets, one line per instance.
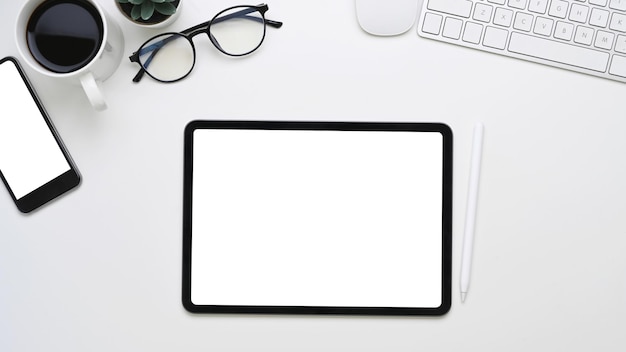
[432, 23]
[461, 8]
[558, 52]
[564, 30]
[579, 13]
[584, 35]
[543, 26]
[604, 40]
[558, 8]
[599, 18]
[517, 4]
[618, 5]
[499, 2]
[523, 21]
[503, 17]
[618, 22]
[598, 2]
[482, 12]
[452, 28]
[618, 66]
[495, 38]
[620, 44]
[472, 32]
[538, 6]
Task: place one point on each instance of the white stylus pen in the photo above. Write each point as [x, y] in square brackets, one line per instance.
[470, 215]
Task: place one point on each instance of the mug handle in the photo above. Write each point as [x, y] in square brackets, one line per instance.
[94, 94]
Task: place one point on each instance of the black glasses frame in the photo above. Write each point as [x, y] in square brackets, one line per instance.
[204, 27]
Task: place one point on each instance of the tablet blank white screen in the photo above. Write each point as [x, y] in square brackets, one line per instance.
[317, 218]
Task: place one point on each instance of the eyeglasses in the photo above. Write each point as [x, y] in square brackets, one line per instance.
[236, 31]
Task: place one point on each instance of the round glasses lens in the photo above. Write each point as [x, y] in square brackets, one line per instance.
[238, 31]
[167, 57]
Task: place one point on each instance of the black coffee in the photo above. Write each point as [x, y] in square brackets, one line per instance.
[64, 35]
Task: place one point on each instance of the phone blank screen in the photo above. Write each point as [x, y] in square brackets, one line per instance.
[317, 218]
[29, 154]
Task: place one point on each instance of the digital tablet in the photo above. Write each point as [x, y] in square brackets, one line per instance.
[317, 218]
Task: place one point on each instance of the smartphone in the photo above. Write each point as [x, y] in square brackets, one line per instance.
[34, 164]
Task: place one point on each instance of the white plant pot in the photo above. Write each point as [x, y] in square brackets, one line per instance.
[168, 21]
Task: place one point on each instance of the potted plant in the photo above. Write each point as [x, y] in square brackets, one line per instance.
[151, 13]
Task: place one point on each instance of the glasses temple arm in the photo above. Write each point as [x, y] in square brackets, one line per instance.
[272, 23]
[139, 75]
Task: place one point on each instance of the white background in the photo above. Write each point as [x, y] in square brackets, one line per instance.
[100, 269]
[317, 218]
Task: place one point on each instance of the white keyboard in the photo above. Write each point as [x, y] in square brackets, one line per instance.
[587, 36]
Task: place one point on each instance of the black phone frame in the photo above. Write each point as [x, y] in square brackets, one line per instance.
[60, 184]
[446, 279]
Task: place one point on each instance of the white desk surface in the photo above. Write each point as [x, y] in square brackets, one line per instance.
[100, 269]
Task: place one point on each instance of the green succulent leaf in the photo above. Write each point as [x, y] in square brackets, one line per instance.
[147, 10]
[165, 8]
[135, 13]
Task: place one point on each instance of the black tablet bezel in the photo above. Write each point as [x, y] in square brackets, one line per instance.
[446, 281]
[60, 184]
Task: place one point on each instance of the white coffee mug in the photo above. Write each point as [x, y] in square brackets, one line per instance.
[99, 68]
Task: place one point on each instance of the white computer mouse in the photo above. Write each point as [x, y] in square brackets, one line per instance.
[386, 17]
